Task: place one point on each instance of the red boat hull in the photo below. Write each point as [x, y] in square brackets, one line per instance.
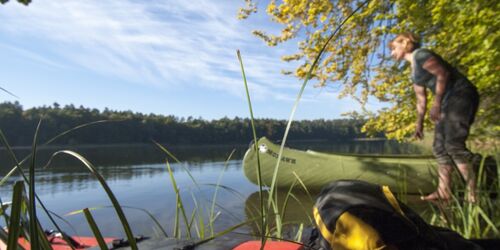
[270, 245]
[58, 243]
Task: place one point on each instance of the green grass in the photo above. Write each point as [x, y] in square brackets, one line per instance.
[95, 230]
[471, 220]
[201, 220]
[273, 207]
[478, 220]
[35, 234]
[262, 214]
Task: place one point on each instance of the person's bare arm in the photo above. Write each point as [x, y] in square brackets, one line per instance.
[442, 74]
[421, 109]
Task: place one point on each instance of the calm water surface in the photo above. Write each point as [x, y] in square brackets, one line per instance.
[139, 178]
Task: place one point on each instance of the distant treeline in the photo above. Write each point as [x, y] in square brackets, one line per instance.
[19, 126]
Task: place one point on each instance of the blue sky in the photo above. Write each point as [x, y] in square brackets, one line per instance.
[166, 57]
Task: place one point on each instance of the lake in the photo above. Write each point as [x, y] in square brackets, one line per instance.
[138, 176]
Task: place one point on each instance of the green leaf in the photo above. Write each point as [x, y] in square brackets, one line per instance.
[15, 215]
[95, 229]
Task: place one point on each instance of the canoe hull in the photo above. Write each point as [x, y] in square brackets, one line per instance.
[403, 174]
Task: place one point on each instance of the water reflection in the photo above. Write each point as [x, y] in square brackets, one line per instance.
[299, 207]
[126, 155]
[137, 175]
[123, 155]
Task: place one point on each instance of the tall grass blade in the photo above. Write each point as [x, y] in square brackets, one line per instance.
[298, 236]
[15, 215]
[95, 229]
[166, 151]
[480, 173]
[306, 211]
[177, 160]
[224, 232]
[308, 76]
[304, 187]
[201, 221]
[58, 229]
[277, 216]
[192, 219]
[272, 194]
[25, 218]
[43, 241]
[179, 205]
[32, 201]
[214, 198]
[17, 167]
[229, 189]
[285, 203]
[49, 215]
[156, 222]
[8, 92]
[488, 221]
[254, 133]
[19, 163]
[176, 232]
[111, 196]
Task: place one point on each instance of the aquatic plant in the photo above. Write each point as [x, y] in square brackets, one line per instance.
[272, 203]
[35, 234]
[480, 219]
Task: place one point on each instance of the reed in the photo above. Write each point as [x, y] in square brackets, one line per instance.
[95, 229]
[116, 205]
[36, 234]
[149, 214]
[32, 202]
[262, 211]
[179, 207]
[205, 230]
[272, 210]
[15, 215]
[212, 215]
[36, 231]
[479, 220]
[272, 204]
[472, 220]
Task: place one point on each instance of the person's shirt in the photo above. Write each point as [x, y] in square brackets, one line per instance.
[422, 77]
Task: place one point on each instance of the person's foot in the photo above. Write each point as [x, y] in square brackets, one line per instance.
[437, 195]
[472, 197]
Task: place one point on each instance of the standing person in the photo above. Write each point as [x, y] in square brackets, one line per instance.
[453, 110]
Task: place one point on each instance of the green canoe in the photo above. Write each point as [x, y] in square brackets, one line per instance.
[412, 174]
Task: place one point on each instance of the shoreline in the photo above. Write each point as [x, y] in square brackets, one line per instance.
[117, 145]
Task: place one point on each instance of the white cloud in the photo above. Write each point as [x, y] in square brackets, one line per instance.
[154, 42]
[162, 43]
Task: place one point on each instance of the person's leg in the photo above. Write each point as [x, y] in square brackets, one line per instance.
[445, 165]
[470, 179]
[443, 191]
[460, 117]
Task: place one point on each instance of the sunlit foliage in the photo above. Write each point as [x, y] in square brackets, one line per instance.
[357, 62]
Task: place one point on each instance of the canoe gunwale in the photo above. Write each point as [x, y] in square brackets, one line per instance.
[402, 173]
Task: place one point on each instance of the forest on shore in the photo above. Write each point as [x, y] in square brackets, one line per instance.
[127, 127]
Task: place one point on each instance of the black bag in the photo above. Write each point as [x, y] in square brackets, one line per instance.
[353, 214]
